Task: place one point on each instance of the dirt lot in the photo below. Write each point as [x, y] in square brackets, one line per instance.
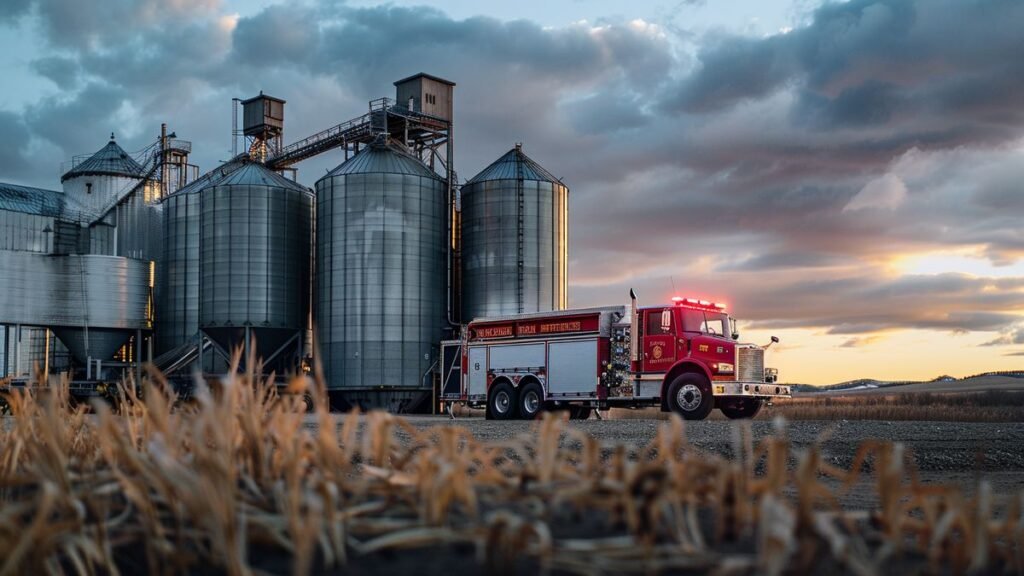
[945, 452]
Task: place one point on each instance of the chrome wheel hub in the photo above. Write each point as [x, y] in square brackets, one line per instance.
[502, 401]
[531, 402]
[689, 397]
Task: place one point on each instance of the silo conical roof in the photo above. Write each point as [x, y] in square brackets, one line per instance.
[385, 159]
[111, 160]
[513, 165]
[241, 172]
[255, 174]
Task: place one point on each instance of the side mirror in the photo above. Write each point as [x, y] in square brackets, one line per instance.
[775, 339]
[735, 335]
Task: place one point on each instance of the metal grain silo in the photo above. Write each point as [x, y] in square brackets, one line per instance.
[177, 309]
[381, 277]
[177, 301]
[254, 260]
[515, 222]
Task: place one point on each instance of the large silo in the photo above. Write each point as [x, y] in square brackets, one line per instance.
[515, 222]
[254, 255]
[177, 312]
[95, 183]
[381, 277]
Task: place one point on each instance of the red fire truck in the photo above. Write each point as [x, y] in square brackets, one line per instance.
[684, 357]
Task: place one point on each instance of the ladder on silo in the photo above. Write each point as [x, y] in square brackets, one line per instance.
[520, 222]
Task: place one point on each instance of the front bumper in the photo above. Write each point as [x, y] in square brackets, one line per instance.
[750, 389]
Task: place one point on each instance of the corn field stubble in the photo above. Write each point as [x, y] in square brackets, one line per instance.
[235, 483]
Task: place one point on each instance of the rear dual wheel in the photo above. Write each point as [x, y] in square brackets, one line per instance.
[531, 400]
[503, 402]
[507, 403]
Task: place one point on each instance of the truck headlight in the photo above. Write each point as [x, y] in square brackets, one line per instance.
[726, 368]
[771, 374]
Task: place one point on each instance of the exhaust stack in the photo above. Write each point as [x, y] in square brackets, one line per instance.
[634, 327]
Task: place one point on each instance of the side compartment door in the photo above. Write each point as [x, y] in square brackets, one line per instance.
[477, 371]
[451, 370]
[659, 347]
[573, 368]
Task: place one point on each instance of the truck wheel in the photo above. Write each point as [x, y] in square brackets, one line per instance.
[741, 408]
[531, 401]
[307, 403]
[689, 395]
[503, 403]
[579, 412]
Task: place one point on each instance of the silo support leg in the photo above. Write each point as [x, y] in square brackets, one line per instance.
[17, 350]
[281, 348]
[248, 347]
[138, 357]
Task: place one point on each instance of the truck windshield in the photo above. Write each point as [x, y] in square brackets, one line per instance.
[715, 324]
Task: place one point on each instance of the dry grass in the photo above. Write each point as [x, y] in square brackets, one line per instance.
[237, 482]
[988, 406]
[991, 406]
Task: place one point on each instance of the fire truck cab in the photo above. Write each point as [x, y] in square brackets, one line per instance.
[684, 356]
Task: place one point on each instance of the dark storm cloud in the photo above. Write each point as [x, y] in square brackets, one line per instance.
[877, 62]
[78, 124]
[81, 25]
[1009, 338]
[13, 145]
[61, 71]
[863, 304]
[734, 69]
[12, 9]
[278, 35]
[856, 306]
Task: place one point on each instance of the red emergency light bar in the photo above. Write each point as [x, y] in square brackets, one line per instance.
[694, 303]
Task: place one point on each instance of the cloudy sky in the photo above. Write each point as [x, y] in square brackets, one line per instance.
[846, 175]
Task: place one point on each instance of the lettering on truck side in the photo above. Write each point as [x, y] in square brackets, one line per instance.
[560, 327]
[494, 332]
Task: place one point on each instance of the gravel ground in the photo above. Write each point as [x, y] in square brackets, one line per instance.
[945, 452]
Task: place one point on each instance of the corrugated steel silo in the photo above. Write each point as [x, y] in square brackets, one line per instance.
[177, 312]
[93, 303]
[254, 254]
[381, 277]
[515, 236]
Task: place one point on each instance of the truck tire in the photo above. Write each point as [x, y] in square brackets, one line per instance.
[689, 395]
[531, 400]
[741, 408]
[503, 402]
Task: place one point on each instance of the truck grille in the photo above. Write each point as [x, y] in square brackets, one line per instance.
[750, 364]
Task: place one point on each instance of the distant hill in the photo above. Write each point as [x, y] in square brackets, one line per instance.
[977, 383]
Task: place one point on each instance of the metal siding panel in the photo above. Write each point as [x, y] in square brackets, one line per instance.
[572, 367]
[506, 357]
[477, 371]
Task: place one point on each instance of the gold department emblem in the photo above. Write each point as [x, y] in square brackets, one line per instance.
[657, 352]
